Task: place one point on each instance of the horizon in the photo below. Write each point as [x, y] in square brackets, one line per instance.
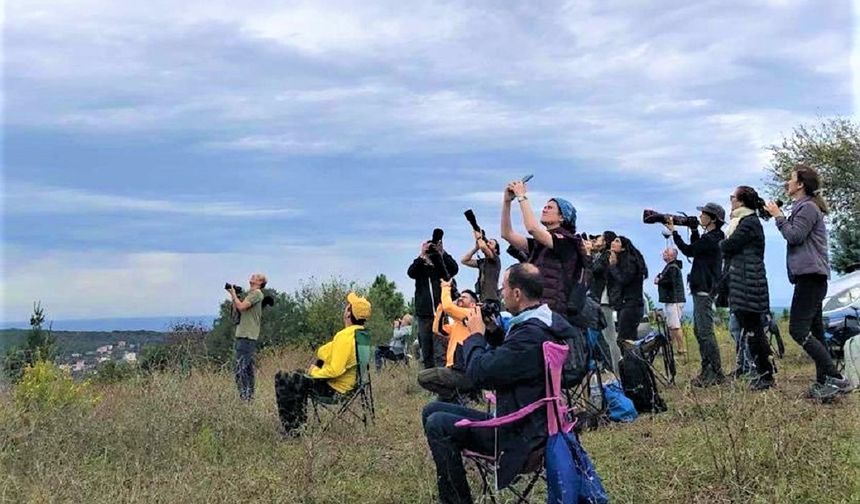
[147, 164]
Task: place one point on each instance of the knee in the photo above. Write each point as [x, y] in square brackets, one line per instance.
[428, 410]
[438, 425]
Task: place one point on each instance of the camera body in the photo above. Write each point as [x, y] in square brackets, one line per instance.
[435, 255]
[238, 289]
[654, 217]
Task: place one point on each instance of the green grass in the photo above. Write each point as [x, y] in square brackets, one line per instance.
[169, 438]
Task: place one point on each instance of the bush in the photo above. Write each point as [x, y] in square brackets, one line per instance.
[114, 372]
[44, 386]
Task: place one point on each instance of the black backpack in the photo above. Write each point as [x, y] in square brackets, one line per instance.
[639, 383]
[576, 365]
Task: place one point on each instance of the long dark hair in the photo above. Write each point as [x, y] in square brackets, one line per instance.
[750, 199]
[811, 181]
[634, 255]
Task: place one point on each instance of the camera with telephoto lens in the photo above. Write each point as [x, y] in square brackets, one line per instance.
[435, 255]
[654, 217]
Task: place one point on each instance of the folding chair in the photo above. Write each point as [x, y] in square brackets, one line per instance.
[487, 467]
[362, 393]
[655, 343]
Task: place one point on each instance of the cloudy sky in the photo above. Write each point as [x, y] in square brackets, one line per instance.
[154, 150]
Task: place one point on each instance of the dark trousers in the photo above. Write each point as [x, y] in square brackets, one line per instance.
[806, 326]
[703, 327]
[425, 340]
[449, 384]
[447, 441]
[246, 349]
[752, 328]
[383, 353]
[629, 317]
[292, 391]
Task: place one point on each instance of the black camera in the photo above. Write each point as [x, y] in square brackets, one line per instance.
[491, 312]
[653, 217]
[235, 287]
[435, 256]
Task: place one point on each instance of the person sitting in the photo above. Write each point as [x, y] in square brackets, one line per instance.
[396, 349]
[515, 370]
[333, 373]
[450, 381]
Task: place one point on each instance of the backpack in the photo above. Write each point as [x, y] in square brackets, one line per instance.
[852, 361]
[639, 383]
[576, 365]
[619, 407]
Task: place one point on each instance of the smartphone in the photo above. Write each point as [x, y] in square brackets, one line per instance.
[527, 178]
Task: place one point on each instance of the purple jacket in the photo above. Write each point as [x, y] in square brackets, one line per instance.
[806, 235]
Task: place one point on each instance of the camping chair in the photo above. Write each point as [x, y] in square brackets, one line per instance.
[362, 393]
[555, 355]
[588, 398]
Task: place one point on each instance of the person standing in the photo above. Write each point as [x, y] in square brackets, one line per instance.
[250, 308]
[670, 289]
[427, 293]
[489, 267]
[628, 269]
[703, 278]
[749, 298]
[553, 246]
[809, 269]
[604, 291]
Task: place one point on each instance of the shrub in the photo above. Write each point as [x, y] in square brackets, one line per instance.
[114, 372]
[44, 386]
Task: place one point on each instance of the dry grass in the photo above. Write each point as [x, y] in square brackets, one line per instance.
[189, 439]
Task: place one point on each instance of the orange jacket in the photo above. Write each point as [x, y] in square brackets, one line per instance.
[457, 331]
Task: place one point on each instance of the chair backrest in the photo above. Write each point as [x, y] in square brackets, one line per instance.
[363, 352]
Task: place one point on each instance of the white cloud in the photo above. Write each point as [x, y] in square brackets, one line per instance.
[30, 199]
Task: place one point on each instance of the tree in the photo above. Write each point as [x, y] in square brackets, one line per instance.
[388, 304]
[40, 345]
[833, 148]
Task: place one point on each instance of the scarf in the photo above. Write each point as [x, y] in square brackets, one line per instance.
[737, 214]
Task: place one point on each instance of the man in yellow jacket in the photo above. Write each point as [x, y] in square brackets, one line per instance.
[335, 371]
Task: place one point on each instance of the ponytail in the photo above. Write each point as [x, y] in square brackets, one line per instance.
[750, 199]
[811, 181]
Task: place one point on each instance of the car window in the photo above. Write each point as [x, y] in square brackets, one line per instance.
[842, 299]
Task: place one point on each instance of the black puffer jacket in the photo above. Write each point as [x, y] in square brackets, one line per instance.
[628, 277]
[601, 280]
[743, 255]
[670, 283]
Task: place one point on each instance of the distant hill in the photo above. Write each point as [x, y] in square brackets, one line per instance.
[160, 324]
[70, 342]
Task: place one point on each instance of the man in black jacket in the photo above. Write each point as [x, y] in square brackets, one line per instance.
[515, 370]
[703, 279]
[670, 291]
[427, 292]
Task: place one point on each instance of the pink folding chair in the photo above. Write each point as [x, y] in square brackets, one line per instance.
[554, 355]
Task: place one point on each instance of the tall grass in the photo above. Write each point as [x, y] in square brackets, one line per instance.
[172, 438]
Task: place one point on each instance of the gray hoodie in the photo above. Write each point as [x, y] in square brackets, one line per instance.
[806, 235]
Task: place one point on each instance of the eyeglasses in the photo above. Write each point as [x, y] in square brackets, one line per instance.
[732, 197]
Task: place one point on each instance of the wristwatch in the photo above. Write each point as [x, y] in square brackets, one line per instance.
[522, 198]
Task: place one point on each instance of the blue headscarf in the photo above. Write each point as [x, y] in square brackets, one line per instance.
[568, 212]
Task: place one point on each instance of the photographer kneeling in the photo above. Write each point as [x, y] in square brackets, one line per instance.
[515, 370]
[333, 373]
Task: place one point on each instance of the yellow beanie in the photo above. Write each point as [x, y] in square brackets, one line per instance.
[360, 306]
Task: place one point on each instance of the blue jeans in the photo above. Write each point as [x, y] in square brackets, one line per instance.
[447, 441]
[246, 349]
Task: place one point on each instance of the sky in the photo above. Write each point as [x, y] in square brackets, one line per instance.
[153, 151]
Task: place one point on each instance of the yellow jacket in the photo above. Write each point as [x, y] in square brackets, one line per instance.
[339, 360]
[457, 332]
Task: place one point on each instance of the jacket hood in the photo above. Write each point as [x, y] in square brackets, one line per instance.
[542, 316]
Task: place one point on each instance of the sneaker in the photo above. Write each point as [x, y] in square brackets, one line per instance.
[841, 385]
[762, 383]
[822, 392]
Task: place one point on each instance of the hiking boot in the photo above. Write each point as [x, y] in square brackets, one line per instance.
[841, 385]
[762, 383]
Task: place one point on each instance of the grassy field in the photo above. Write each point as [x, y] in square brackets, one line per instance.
[168, 438]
